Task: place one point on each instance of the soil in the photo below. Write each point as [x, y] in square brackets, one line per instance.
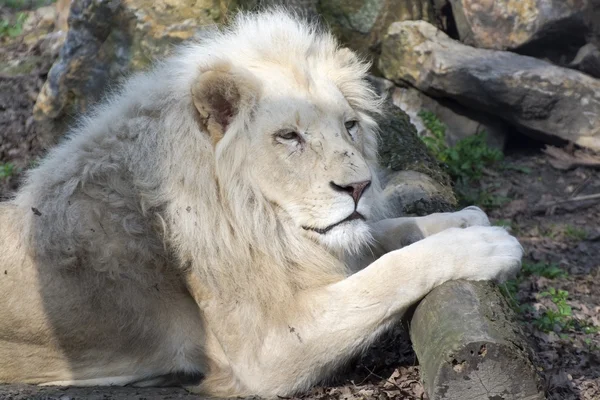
[566, 236]
[22, 140]
[568, 357]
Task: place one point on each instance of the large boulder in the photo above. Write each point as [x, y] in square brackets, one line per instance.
[81, 71]
[108, 39]
[510, 24]
[361, 24]
[305, 8]
[536, 96]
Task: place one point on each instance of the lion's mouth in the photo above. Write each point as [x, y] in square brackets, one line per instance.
[322, 231]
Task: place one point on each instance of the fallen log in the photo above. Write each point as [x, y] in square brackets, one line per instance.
[470, 347]
[464, 333]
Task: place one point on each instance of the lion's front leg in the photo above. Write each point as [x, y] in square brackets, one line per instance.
[395, 233]
[331, 324]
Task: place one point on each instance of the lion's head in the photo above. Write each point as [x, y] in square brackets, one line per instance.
[293, 115]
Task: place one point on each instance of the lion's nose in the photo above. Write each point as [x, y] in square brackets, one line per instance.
[353, 189]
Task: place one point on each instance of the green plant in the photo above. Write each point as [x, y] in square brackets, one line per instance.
[575, 233]
[510, 288]
[482, 197]
[465, 161]
[590, 329]
[504, 223]
[518, 168]
[510, 225]
[559, 317]
[12, 29]
[547, 270]
[7, 170]
[467, 158]
[591, 346]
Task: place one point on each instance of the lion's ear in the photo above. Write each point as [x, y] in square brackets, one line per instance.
[218, 96]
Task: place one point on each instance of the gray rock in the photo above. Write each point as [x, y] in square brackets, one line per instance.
[361, 24]
[460, 121]
[510, 24]
[587, 60]
[534, 95]
[81, 71]
[306, 8]
[382, 86]
[108, 39]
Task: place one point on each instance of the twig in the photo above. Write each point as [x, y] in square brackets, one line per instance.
[581, 186]
[572, 199]
[561, 159]
[551, 204]
[364, 380]
[403, 391]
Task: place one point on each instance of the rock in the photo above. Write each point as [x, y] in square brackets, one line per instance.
[108, 39]
[587, 60]
[361, 24]
[382, 86]
[80, 74]
[62, 10]
[539, 98]
[150, 29]
[39, 25]
[591, 18]
[36, 42]
[510, 24]
[50, 44]
[413, 181]
[460, 121]
[444, 16]
[42, 18]
[22, 66]
[306, 8]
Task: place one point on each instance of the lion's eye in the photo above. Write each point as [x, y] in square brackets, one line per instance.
[351, 127]
[290, 135]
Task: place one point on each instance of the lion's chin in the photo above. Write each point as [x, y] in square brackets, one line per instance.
[350, 236]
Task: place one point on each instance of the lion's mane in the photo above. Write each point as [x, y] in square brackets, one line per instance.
[138, 181]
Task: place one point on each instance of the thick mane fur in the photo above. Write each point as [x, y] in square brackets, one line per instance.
[145, 161]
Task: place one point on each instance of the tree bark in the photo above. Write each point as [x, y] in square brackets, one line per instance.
[470, 347]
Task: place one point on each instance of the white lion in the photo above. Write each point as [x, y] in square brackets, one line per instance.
[209, 226]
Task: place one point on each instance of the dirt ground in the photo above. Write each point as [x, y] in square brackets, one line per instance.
[563, 241]
[562, 245]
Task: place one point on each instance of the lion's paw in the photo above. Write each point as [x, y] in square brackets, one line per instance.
[481, 252]
[471, 216]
